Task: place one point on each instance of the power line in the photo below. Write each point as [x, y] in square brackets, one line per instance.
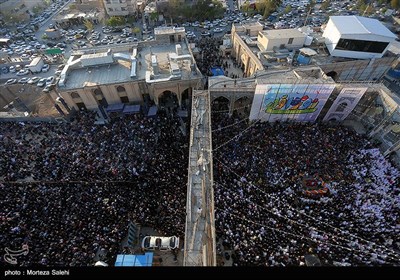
[293, 221]
[294, 209]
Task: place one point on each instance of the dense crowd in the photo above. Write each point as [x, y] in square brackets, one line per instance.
[69, 190]
[263, 214]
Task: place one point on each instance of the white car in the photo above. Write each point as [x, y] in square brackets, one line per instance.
[49, 80]
[23, 80]
[33, 80]
[23, 72]
[45, 68]
[42, 82]
[160, 243]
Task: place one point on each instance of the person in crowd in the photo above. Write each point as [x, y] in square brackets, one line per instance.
[69, 190]
[262, 212]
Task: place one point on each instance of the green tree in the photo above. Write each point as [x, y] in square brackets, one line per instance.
[395, 4]
[115, 21]
[246, 6]
[288, 9]
[154, 16]
[37, 9]
[72, 7]
[135, 30]
[47, 2]
[325, 5]
[89, 25]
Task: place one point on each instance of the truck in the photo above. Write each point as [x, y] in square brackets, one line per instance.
[36, 65]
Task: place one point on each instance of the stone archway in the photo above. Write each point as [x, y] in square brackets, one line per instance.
[220, 104]
[168, 99]
[242, 105]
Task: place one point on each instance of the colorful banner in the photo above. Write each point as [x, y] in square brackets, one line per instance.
[296, 102]
[344, 104]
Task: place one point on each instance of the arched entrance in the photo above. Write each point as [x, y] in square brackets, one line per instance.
[333, 75]
[100, 97]
[242, 105]
[168, 99]
[220, 104]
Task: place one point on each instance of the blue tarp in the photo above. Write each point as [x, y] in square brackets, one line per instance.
[115, 107]
[217, 71]
[131, 109]
[135, 260]
[152, 111]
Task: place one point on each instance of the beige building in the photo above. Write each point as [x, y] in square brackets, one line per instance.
[122, 7]
[256, 49]
[131, 73]
[268, 40]
[89, 5]
[18, 9]
[244, 40]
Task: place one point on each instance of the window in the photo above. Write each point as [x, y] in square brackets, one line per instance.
[120, 89]
[110, 9]
[361, 46]
[98, 91]
[108, 1]
[74, 95]
[123, 9]
[290, 41]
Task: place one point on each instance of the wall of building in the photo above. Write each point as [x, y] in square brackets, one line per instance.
[89, 5]
[245, 56]
[120, 7]
[332, 37]
[268, 44]
[359, 70]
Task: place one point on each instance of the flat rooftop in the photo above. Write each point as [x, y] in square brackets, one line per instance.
[282, 33]
[120, 70]
[360, 25]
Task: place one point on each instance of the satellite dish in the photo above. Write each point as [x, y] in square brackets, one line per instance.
[100, 263]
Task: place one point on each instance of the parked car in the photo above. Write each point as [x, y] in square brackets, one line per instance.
[49, 80]
[33, 80]
[42, 82]
[11, 81]
[23, 80]
[23, 72]
[48, 88]
[160, 243]
[45, 68]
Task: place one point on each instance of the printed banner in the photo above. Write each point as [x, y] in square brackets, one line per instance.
[344, 104]
[296, 102]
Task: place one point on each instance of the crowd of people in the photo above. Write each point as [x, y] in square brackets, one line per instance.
[264, 217]
[209, 57]
[69, 190]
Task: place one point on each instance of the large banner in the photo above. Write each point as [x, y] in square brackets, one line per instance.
[346, 101]
[296, 102]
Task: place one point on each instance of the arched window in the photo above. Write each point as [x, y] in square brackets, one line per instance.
[98, 91]
[121, 89]
[74, 95]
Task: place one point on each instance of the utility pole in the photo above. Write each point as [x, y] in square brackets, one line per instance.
[309, 12]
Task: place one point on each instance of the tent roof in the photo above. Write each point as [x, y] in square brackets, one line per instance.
[360, 25]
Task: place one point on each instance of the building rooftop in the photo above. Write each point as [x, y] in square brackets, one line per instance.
[360, 25]
[128, 64]
[168, 30]
[282, 33]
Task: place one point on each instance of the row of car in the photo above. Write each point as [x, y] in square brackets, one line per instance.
[47, 83]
